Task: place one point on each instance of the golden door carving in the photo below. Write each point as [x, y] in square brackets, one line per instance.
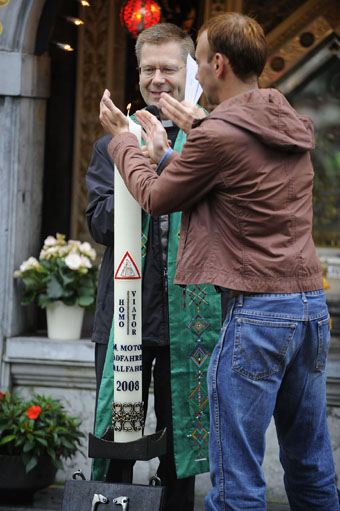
[100, 65]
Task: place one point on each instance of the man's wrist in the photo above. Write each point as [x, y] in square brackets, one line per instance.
[163, 160]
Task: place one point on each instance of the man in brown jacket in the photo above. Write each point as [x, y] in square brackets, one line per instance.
[244, 184]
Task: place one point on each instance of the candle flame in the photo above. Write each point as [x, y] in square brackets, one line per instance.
[75, 21]
[63, 46]
[67, 47]
[128, 108]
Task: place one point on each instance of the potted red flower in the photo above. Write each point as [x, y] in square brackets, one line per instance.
[35, 435]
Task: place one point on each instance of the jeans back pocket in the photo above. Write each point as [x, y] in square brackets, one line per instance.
[260, 346]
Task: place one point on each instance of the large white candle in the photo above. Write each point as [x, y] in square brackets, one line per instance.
[127, 407]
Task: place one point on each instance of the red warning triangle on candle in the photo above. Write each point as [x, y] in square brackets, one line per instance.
[127, 268]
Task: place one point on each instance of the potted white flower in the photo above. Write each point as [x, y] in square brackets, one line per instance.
[64, 281]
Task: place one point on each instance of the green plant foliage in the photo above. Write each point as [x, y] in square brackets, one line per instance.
[37, 427]
[65, 271]
[326, 192]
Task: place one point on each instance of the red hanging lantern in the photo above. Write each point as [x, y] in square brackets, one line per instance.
[137, 15]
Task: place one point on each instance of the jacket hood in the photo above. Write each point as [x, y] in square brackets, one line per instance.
[267, 114]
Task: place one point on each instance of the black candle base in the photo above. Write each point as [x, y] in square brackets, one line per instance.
[145, 448]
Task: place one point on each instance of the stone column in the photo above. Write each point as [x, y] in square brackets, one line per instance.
[24, 88]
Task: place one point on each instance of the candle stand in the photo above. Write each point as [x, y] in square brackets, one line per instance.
[90, 495]
[143, 449]
[106, 495]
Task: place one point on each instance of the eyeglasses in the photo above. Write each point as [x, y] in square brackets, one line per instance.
[165, 70]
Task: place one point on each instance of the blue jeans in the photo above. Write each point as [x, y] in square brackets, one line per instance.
[270, 360]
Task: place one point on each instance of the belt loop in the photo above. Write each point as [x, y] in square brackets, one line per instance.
[240, 300]
[230, 309]
[305, 306]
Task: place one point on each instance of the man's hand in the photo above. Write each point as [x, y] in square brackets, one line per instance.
[183, 114]
[154, 135]
[111, 118]
[145, 151]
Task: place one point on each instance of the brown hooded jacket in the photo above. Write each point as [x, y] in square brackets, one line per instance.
[244, 183]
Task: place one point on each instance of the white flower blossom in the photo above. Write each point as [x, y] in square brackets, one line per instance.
[85, 262]
[31, 264]
[50, 253]
[87, 250]
[73, 261]
[64, 251]
[50, 241]
[85, 247]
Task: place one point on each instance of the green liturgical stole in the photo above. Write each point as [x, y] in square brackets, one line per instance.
[195, 323]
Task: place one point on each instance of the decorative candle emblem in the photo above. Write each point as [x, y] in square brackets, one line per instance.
[127, 408]
[127, 268]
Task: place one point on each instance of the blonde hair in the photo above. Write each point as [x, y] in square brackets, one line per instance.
[164, 33]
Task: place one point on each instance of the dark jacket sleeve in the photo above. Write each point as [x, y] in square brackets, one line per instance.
[100, 189]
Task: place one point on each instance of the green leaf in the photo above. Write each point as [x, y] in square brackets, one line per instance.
[42, 441]
[87, 282]
[68, 292]
[51, 453]
[32, 281]
[54, 289]
[28, 446]
[28, 297]
[7, 439]
[31, 464]
[43, 300]
[66, 443]
[86, 291]
[47, 264]
[66, 278]
[19, 440]
[70, 301]
[85, 301]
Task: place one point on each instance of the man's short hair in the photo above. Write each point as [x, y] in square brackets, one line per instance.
[165, 33]
[241, 39]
